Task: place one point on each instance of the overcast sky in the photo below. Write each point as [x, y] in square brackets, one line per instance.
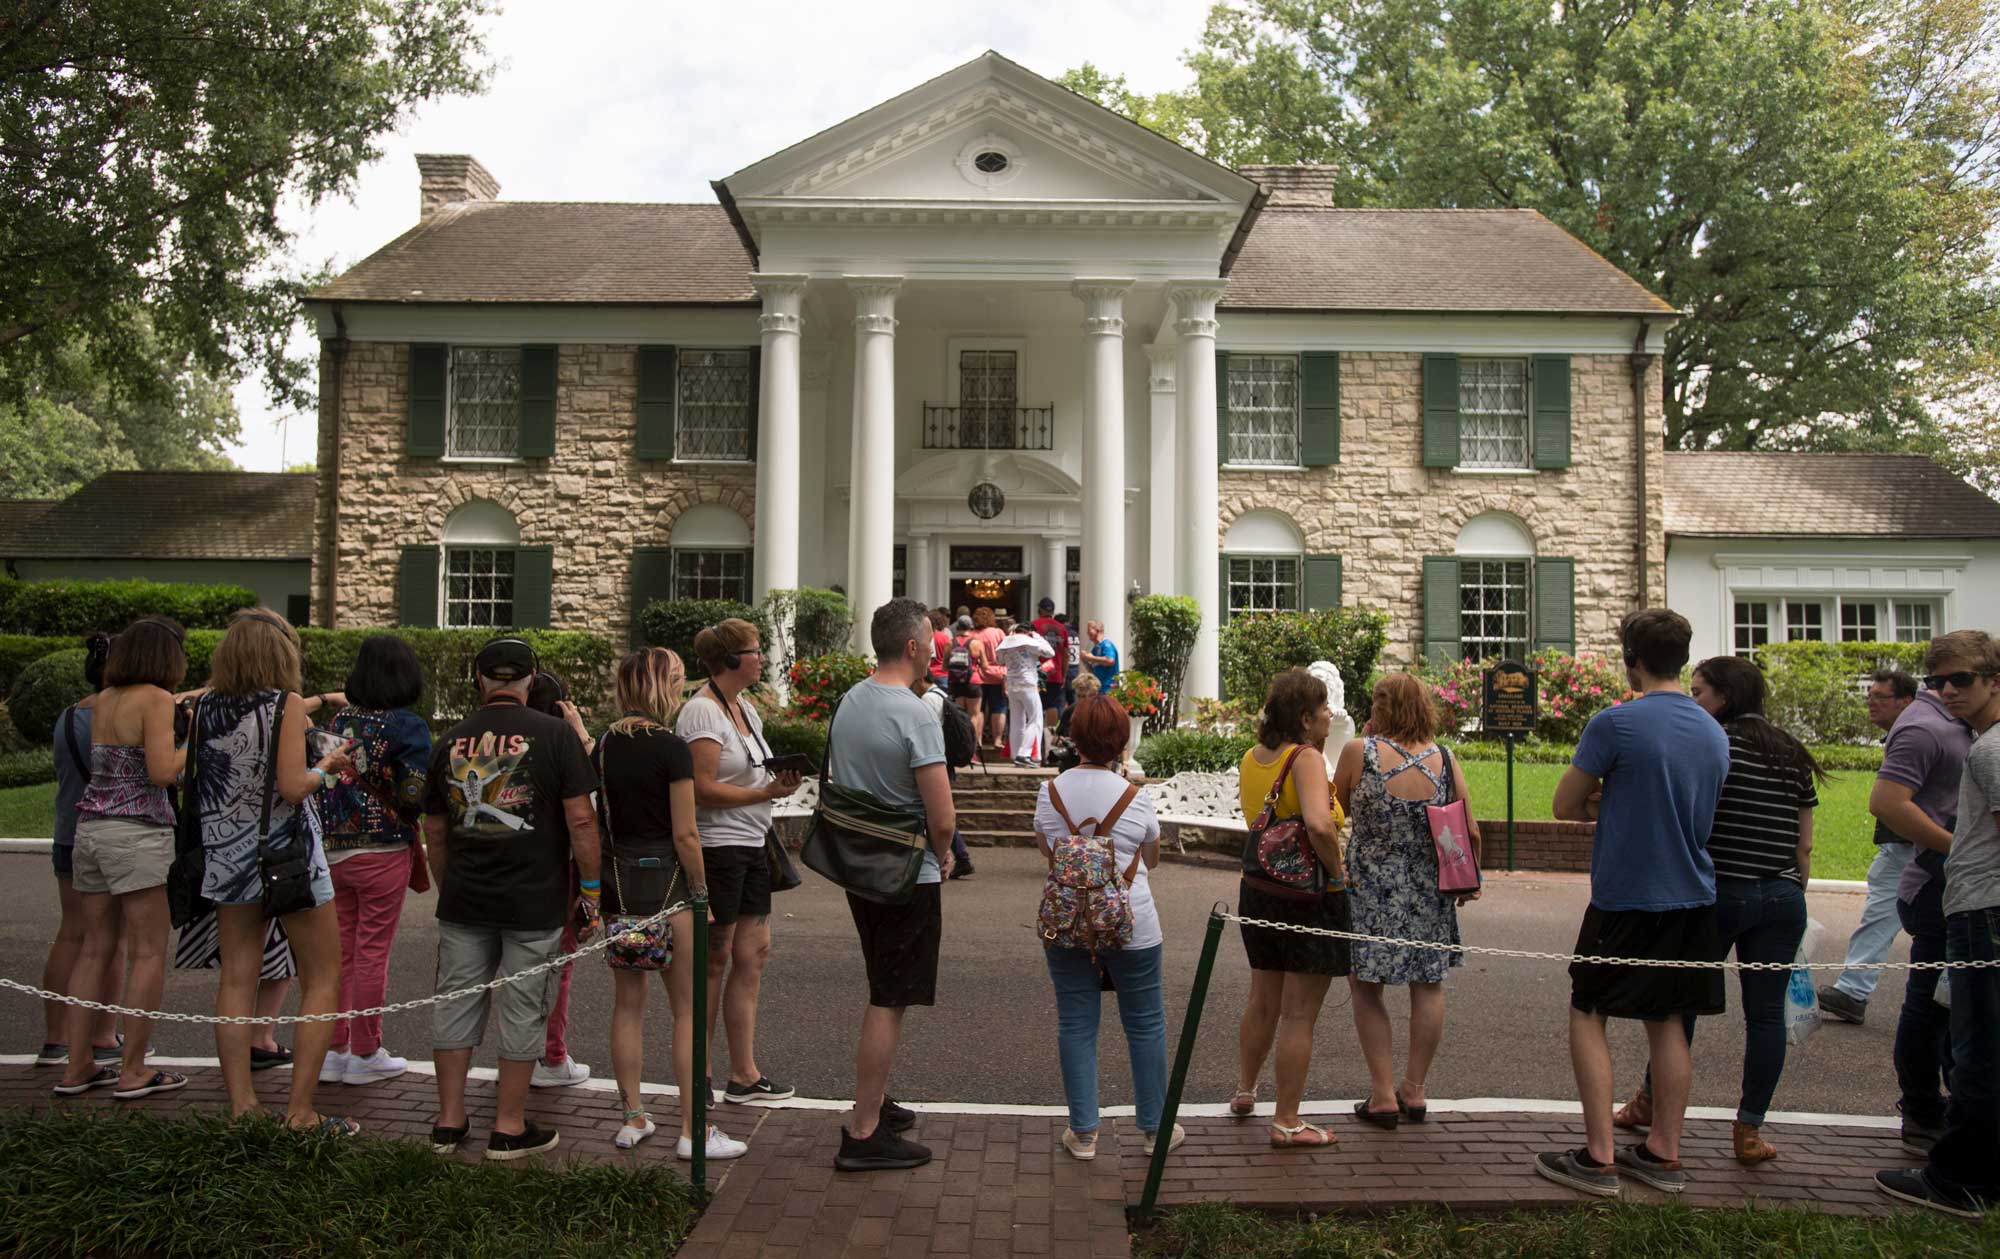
[648, 100]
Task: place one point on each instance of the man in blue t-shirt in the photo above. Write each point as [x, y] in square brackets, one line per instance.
[1101, 655]
[1648, 772]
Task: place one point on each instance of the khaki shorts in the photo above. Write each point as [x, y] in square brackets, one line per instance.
[468, 956]
[121, 854]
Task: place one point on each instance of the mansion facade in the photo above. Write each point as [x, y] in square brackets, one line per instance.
[985, 343]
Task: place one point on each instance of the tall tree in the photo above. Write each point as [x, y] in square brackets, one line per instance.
[145, 148]
[1815, 184]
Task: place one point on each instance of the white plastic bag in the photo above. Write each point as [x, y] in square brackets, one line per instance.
[1801, 996]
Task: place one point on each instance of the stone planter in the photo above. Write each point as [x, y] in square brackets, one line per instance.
[1132, 748]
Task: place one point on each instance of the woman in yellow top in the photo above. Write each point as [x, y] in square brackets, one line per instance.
[1289, 971]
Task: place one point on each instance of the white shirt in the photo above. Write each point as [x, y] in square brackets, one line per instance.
[1087, 793]
[1023, 654]
[741, 765]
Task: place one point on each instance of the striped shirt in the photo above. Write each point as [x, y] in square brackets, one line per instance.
[1756, 833]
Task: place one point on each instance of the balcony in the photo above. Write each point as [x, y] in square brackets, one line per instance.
[978, 426]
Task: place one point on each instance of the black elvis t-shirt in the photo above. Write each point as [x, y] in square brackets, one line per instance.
[499, 779]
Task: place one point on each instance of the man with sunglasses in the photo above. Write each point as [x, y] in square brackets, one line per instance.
[1962, 1176]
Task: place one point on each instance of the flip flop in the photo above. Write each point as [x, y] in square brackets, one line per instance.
[103, 1077]
[262, 1059]
[162, 1082]
[330, 1126]
[1383, 1119]
[1415, 1114]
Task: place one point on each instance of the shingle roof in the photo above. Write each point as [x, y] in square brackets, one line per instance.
[17, 513]
[174, 515]
[1300, 258]
[1757, 495]
[557, 251]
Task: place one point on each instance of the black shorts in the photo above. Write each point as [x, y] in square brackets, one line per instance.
[739, 882]
[899, 945]
[995, 696]
[965, 690]
[1648, 992]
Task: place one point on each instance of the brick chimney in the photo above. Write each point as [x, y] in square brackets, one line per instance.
[448, 178]
[1294, 185]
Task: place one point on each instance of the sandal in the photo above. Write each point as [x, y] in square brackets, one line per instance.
[633, 1133]
[162, 1082]
[262, 1059]
[1383, 1119]
[1281, 1136]
[329, 1126]
[1415, 1114]
[1243, 1104]
[103, 1077]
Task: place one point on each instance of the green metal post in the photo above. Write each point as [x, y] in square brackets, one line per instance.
[698, 1104]
[1190, 1026]
[1510, 803]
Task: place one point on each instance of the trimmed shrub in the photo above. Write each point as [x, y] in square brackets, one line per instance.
[43, 690]
[788, 735]
[673, 623]
[1173, 752]
[30, 768]
[1817, 689]
[818, 683]
[18, 651]
[1257, 648]
[63, 607]
[1162, 642]
[821, 620]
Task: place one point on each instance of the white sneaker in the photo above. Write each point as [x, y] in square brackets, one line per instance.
[632, 1134]
[720, 1146]
[334, 1069]
[376, 1067]
[565, 1073]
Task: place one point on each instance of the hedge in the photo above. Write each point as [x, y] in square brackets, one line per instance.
[673, 623]
[1173, 752]
[43, 690]
[18, 651]
[31, 768]
[788, 735]
[1178, 751]
[1816, 690]
[1160, 643]
[68, 608]
[1257, 648]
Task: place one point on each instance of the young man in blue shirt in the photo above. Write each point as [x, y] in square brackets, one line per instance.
[1648, 772]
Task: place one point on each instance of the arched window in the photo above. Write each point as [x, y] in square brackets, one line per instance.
[711, 554]
[481, 545]
[1494, 598]
[1265, 568]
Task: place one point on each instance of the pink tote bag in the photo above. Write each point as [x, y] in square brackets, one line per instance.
[1451, 831]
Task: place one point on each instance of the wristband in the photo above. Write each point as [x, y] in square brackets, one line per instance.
[325, 779]
[590, 885]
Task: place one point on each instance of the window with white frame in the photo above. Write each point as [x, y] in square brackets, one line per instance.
[1805, 622]
[483, 414]
[1493, 428]
[1752, 625]
[715, 416]
[1263, 583]
[1493, 608]
[1916, 622]
[1859, 622]
[480, 539]
[700, 573]
[1263, 410]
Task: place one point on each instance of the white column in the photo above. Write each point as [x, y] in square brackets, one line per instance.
[1055, 573]
[1162, 574]
[872, 482]
[1103, 586]
[1200, 539]
[917, 569]
[778, 437]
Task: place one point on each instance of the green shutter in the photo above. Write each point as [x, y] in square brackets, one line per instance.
[534, 586]
[424, 433]
[1222, 412]
[1441, 610]
[1551, 389]
[756, 396]
[538, 401]
[1440, 410]
[652, 580]
[1321, 582]
[417, 587]
[1222, 593]
[1319, 416]
[1555, 604]
[656, 402]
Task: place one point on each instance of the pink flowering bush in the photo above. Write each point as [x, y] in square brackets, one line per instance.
[1573, 689]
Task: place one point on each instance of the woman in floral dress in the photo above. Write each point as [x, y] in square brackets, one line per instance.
[1386, 781]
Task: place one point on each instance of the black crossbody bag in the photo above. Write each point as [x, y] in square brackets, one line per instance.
[283, 861]
[185, 903]
[861, 845]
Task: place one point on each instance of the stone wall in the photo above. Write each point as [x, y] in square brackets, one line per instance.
[1382, 511]
[594, 501]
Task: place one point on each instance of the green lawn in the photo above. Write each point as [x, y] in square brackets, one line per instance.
[1843, 842]
[28, 812]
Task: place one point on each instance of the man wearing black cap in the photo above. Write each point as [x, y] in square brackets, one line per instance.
[1055, 673]
[507, 809]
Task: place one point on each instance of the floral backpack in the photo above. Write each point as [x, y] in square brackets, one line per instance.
[1086, 902]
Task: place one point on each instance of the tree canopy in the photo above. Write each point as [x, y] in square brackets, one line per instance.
[145, 149]
[1815, 184]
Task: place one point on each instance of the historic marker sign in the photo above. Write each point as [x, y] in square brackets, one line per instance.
[1509, 701]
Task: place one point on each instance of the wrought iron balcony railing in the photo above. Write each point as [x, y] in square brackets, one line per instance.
[978, 426]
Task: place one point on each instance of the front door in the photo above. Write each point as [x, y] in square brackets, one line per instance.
[990, 577]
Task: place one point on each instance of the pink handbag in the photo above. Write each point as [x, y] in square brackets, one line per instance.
[1451, 831]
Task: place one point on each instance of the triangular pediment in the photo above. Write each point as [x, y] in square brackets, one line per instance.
[989, 131]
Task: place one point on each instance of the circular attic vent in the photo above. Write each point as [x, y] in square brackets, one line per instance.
[991, 162]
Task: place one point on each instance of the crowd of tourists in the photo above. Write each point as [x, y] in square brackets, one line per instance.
[289, 855]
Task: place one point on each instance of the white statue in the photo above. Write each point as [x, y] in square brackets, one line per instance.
[1336, 697]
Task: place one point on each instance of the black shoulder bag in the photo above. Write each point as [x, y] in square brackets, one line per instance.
[861, 845]
[185, 903]
[284, 861]
[784, 876]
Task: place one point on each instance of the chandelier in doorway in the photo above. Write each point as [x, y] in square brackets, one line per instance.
[989, 588]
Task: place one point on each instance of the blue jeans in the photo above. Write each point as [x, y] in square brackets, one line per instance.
[1964, 1158]
[1879, 921]
[1923, 1029]
[1765, 919]
[1141, 1008]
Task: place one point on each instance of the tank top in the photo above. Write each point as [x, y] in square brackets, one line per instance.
[1254, 781]
[119, 787]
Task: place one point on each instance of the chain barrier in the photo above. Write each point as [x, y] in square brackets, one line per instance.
[598, 945]
[1533, 955]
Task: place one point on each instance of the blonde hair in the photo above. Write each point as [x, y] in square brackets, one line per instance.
[651, 685]
[718, 640]
[1086, 684]
[259, 652]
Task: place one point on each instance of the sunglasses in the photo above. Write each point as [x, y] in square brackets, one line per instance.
[1960, 680]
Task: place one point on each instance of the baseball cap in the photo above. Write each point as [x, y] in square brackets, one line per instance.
[505, 660]
[1046, 605]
